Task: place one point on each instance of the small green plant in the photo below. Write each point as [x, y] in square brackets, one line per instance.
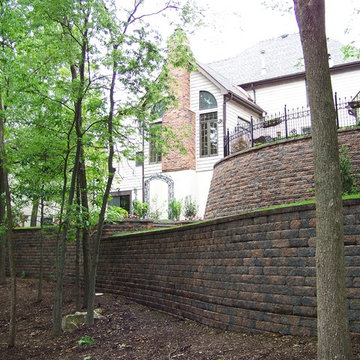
[190, 208]
[23, 274]
[115, 213]
[86, 340]
[271, 122]
[155, 214]
[140, 209]
[348, 179]
[175, 210]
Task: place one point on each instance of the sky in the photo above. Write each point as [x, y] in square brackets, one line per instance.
[234, 25]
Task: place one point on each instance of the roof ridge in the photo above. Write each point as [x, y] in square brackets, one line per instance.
[284, 36]
[263, 61]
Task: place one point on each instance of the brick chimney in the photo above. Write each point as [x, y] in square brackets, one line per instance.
[182, 120]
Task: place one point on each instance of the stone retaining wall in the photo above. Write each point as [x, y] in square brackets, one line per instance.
[253, 272]
[272, 174]
[249, 272]
[27, 242]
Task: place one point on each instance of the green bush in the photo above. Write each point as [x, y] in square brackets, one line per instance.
[190, 208]
[348, 179]
[115, 213]
[175, 210]
[140, 209]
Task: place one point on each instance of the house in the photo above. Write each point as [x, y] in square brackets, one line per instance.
[217, 98]
[273, 72]
[208, 105]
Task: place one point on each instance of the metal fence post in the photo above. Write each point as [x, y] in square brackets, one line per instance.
[336, 110]
[227, 143]
[286, 125]
[252, 131]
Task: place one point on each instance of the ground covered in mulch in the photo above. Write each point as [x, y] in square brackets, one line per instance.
[133, 332]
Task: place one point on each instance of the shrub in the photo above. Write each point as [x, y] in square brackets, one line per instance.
[348, 179]
[239, 144]
[190, 208]
[115, 213]
[175, 210]
[140, 209]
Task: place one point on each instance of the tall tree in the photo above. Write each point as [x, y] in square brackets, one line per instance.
[93, 67]
[332, 314]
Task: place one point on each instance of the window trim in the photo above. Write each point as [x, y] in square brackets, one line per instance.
[154, 157]
[210, 106]
[208, 128]
[122, 193]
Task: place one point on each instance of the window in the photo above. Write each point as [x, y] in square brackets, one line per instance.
[154, 151]
[208, 125]
[121, 199]
[158, 110]
[139, 158]
[209, 136]
[207, 101]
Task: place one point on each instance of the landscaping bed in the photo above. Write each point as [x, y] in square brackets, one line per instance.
[134, 332]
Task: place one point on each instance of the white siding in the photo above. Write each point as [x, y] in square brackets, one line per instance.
[198, 83]
[346, 84]
[273, 97]
[128, 176]
[292, 93]
[234, 111]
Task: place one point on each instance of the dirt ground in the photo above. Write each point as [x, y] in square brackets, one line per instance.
[133, 332]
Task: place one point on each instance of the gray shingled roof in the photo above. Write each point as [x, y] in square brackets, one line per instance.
[282, 57]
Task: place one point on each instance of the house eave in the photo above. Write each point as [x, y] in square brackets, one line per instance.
[254, 107]
[226, 92]
[298, 75]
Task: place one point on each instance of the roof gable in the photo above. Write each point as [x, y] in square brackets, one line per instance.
[226, 87]
[271, 59]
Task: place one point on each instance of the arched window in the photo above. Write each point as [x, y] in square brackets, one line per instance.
[208, 125]
[207, 101]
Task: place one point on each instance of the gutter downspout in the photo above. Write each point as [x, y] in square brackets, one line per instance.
[143, 168]
[254, 92]
[227, 98]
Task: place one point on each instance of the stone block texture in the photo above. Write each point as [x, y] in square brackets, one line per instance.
[250, 272]
[182, 122]
[270, 175]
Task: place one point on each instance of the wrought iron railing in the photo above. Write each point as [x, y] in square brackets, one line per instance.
[286, 124]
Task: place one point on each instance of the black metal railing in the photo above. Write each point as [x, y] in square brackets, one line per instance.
[284, 125]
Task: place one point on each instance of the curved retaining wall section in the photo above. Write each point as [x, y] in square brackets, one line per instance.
[252, 271]
[269, 175]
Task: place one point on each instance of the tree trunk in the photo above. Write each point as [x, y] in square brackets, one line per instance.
[85, 228]
[5, 182]
[34, 212]
[39, 294]
[111, 173]
[2, 231]
[61, 248]
[78, 126]
[77, 258]
[332, 314]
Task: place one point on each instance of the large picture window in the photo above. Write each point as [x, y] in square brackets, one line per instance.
[209, 134]
[208, 124]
